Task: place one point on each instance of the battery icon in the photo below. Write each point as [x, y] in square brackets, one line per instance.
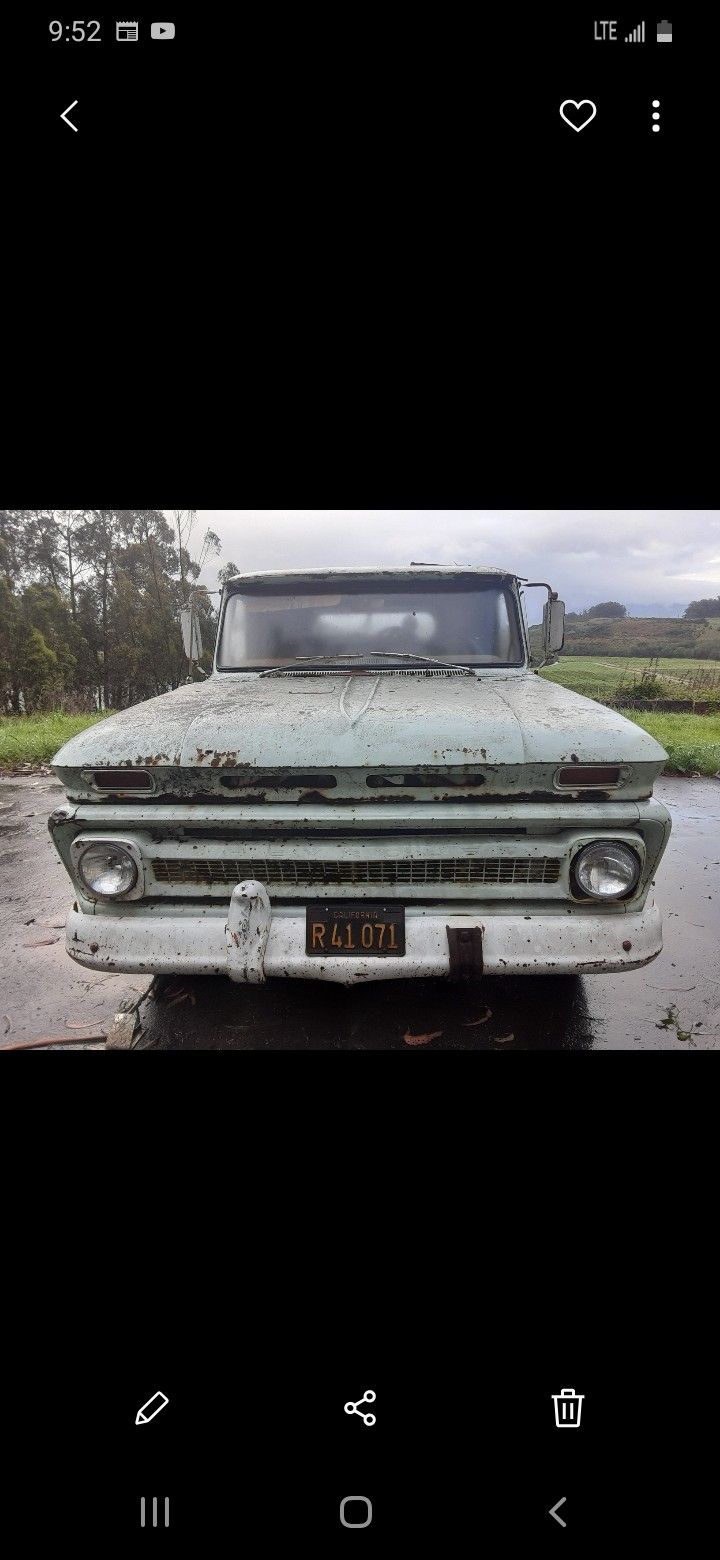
[568, 1408]
[664, 32]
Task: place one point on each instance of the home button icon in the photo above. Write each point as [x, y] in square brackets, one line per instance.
[360, 1516]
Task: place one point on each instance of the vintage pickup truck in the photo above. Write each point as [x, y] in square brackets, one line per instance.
[373, 783]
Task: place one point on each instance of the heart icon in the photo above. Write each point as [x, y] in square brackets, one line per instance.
[578, 119]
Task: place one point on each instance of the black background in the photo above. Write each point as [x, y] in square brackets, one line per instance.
[318, 257]
[320, 90]
[254, 1447]
[305, 256]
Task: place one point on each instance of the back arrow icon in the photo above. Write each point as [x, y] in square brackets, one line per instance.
[554, 1510]
[65, 113]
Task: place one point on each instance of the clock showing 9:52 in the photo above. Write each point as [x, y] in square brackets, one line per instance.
[75, 32]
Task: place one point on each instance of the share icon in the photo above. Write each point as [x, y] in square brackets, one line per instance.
[356, 1408]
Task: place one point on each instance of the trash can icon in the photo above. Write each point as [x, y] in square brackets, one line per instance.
[568, 1408]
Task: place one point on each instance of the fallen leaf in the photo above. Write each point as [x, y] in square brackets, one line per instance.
[43, 943]
[472, 1023]
[76, 1026]
[421, 1039]
[502, 1039]
[55, 926]
[8, 1025]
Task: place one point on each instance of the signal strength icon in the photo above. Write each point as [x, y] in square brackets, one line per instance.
[637, 35]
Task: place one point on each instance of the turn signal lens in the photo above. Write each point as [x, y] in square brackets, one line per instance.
[122, 780]
[586, 775]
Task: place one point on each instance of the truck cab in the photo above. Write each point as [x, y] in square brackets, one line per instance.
[373, 783]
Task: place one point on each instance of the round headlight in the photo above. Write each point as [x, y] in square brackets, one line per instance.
[107, 869]
[606, 869]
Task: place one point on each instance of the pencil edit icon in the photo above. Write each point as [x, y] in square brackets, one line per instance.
[149, 1410]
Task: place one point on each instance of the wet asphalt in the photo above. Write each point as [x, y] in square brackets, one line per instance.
[673, 1003]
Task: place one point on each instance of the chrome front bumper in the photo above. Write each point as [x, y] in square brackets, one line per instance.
[252, 940]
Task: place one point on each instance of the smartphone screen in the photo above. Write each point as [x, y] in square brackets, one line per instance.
[359, 760]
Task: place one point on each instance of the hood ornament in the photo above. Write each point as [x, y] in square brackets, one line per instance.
[353, 719]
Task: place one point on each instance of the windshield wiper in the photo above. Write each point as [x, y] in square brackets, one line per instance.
[365, 655]
[349, 655]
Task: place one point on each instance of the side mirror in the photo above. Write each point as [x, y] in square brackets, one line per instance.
[554, 625]
[191, 637]
[545, 639]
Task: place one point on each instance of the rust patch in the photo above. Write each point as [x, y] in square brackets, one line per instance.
[60, 815]
[228, 760]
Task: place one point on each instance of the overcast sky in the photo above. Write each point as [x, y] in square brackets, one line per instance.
[652, 560]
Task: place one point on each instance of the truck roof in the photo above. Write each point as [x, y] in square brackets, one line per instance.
[425, 571]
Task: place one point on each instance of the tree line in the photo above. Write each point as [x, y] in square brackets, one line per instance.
[90, 605]
[695, 612]
[602, 609]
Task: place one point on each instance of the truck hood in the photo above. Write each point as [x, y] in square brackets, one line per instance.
[401, 722]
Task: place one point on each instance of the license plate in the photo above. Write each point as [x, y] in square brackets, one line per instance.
[337, 931]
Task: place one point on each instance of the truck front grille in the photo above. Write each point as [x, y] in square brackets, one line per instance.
[479, 869]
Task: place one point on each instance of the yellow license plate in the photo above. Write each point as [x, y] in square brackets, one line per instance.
[342, 931]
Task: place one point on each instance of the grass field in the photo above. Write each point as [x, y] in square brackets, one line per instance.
[692, 742]
[35, 739]
[598, 676]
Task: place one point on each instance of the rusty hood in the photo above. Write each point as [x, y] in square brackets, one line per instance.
[246, 721]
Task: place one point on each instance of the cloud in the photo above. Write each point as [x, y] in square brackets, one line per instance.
[638, 556]
[706, 578]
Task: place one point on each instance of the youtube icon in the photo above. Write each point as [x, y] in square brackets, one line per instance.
[162, 29]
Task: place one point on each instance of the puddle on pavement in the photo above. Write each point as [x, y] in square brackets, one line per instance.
[214, 1013]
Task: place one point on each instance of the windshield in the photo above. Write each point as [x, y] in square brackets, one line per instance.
[476, 623]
